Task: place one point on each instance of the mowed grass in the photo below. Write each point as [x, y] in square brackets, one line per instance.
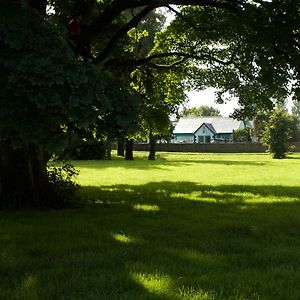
[187, 226]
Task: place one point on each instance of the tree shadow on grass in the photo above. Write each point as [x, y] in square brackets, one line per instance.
[167, 191]
[161, 240]
[210, 242]
[162, 164]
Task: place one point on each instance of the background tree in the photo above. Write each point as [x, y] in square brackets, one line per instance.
[242, 135]
[296, 108]
[161, 91]
[277, 134]
[296, 119]
[259, 121]
[200, 111]
[161, 94]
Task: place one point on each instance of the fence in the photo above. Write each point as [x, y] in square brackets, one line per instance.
[210, 147]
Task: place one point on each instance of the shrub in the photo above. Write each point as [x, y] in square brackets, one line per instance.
[62, 184]
[277, 133]
[242, 135]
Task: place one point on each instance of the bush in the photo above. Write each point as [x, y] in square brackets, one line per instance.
[242, 135]
[277, 133]
[62, 184]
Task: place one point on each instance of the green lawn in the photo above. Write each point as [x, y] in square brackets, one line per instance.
[187, 226]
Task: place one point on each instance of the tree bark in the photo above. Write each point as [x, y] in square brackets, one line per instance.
[23, 178]
[121, 147]
[129, 149]
[152, 147]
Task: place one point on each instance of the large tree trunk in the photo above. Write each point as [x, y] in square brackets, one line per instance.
[121, 146]
[152, 148]
[23, 178]
[129, 149]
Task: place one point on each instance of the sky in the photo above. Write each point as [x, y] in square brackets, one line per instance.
[207, 97]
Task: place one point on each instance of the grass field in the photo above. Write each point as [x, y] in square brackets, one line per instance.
[187, 226]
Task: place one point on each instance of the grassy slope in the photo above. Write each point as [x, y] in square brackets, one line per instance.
[192, 226]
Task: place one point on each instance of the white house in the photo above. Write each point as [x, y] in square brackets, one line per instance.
[206, 129]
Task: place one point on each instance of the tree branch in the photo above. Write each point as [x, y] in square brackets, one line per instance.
[225, 4]
[116, 7]
[184, 55]
[131, 24]
[112, 11]
[131, 63]
[167, 67]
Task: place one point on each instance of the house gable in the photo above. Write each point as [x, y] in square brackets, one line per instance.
[205, 129]
[204, 133]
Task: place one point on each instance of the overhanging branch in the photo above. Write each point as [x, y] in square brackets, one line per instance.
[131, 24]
[116, 7]
[180, 58]
[184, 55]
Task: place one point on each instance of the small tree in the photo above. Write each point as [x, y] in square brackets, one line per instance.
[242, 135]
[277, 134]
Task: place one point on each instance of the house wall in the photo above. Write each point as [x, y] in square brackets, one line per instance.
[183, 138]
[224, 136]
[203, 135]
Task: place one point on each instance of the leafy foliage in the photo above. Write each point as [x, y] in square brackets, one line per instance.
[161, 91]
[242, 51]
[200, 111]
[62, 179]
[242, 135]
[47, 97]
[44, 88]
[296, 108]
[277, 135]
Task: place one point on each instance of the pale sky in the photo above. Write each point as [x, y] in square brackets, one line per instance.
[207, 97]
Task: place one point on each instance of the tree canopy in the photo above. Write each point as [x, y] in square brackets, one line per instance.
[200, 111]
[277, 134]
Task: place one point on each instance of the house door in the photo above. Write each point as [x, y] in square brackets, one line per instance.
[200, 139]
[207, 139]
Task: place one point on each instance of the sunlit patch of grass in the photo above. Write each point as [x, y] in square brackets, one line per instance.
[146, 207]
[190, 292]
[121, 237]
[154, 283]
[28, 288]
